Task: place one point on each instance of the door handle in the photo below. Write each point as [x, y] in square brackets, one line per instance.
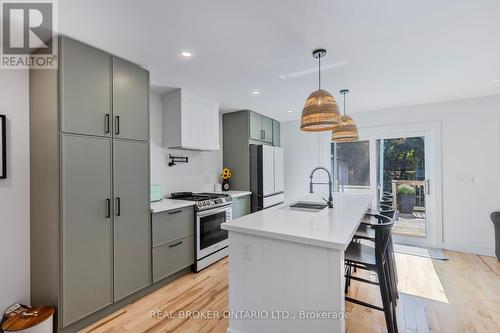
[427, 187]
[118, 206]
[108, 208]
[173, 245]
[117, 125]
[106, 123]
[175, 212]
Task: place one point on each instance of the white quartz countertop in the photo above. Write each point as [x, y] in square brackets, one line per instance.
[236, 194]
[330, 228]
[169, 204]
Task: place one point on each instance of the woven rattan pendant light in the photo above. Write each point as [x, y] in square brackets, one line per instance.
[346, 131]
[320, 112]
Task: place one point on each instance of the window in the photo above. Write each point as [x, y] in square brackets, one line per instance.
[351, 162]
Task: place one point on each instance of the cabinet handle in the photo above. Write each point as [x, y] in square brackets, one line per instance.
[262, 134]
[118, 206]
[175, 212]
[108, 208]
[173, 245]
[106, 123]
[117, 125]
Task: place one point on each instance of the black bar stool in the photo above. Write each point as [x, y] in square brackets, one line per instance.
[386, 201]
[387, 210]
[382, 209]
[365, 232]
[376, 260]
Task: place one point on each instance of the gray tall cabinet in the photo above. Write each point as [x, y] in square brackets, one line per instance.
[89, 146]
[240, 129]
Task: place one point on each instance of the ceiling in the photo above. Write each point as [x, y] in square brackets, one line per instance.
[389, 53]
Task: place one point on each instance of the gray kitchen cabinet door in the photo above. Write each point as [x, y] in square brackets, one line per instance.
[276, 133]
[130, 100]
[132, 243]
[267, 128]
[241, 206]
[256, 126]
[86, 226]
[85, 94]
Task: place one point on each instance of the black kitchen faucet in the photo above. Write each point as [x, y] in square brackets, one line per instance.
[330, 185]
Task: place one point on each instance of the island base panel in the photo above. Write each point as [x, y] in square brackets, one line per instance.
[278, 279]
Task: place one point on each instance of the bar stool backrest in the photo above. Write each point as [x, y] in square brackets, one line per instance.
[383, 238]
[387, 210]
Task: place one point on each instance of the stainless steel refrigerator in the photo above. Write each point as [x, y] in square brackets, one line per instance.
[266, 176]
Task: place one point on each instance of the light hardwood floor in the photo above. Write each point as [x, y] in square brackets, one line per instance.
[458, 295]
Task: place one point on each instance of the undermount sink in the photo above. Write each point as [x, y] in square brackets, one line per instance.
[308, 206]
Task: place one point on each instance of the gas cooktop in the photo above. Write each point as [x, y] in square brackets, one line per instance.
[204, 200]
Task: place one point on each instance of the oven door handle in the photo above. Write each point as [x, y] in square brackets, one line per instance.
[213, 211]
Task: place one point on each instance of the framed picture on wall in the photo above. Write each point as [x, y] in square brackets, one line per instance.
[3, 147]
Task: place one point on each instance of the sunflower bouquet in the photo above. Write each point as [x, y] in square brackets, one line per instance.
[225, 174]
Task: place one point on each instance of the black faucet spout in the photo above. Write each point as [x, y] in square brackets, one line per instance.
[330, 185]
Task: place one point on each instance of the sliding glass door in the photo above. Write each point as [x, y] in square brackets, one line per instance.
[402, 177]
[403, 166]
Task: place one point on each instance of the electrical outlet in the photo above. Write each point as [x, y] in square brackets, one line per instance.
[247, 251]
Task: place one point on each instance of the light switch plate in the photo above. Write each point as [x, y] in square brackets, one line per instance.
[465, 178]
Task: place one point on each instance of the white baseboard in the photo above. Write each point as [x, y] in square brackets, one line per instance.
[484, 251]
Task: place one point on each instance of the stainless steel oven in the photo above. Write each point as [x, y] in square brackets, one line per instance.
[211, 240]
[212, 209]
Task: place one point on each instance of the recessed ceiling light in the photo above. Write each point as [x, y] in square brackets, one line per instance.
[495, 81]
[290, 111]
[186, 54]
[255, 92]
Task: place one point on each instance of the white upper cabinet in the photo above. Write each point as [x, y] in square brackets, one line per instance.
[190, 122]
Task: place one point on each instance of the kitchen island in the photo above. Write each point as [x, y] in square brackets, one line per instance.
[286, 266]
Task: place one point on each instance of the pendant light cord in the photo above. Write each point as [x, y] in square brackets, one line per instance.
[344, 103]
[319, 72]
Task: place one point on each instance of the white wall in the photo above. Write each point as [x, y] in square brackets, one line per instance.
[14, 191]
[470, 146]
[303, 151]
[200, 174]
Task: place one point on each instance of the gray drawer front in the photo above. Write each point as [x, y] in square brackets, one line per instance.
[172, 225]
[173, 256]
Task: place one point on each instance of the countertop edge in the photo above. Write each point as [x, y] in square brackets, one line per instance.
[240, 194]
[236, 193]
[284, 237]
[169, 204]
